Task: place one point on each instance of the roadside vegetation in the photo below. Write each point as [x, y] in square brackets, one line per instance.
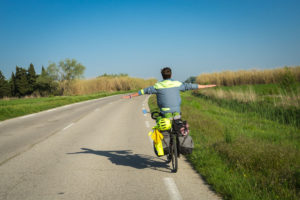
[62, 79]
[247, 137]
[244, 77]
[108, 83]
[10, 108]
[270, 101]
[59, 84]
[53, 81]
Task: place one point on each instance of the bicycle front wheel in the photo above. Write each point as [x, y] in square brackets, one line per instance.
[174, 155]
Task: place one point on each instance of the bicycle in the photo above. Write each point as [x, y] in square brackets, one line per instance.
[173, 154]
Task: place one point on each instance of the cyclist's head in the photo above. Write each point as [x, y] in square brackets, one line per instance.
[166, 73]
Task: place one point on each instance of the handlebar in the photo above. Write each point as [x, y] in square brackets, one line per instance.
[155, 115]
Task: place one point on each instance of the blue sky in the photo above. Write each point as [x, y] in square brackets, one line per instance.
[141, 37]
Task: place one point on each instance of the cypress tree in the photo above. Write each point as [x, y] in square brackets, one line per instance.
[13, 84]
[44, 83]
[31, 77]
[22, 85]
[44, 73]
[2, 79]
[4, 86]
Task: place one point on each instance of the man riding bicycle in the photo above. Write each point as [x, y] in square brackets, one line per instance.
[168, 93]
[168, 100]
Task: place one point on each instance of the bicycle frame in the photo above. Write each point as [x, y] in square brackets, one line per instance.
[173, 148]
[173, 151]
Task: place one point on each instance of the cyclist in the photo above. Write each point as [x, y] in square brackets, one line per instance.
[168, 93]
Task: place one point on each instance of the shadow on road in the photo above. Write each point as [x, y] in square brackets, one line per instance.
[127, 158]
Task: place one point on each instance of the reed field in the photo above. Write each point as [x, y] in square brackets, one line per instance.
[270, 101]
[242, 77]
[255, 93]
[107, 83]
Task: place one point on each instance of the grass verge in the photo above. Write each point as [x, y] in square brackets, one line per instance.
[19, 107]
[243, 156]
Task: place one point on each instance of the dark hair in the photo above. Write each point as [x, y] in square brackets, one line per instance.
[166, 73]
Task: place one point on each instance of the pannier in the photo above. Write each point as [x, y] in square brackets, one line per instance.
[181, 127]
[165, 143]
[186, 144]
[185, 141]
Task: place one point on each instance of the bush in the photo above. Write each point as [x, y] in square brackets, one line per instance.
[287, 81]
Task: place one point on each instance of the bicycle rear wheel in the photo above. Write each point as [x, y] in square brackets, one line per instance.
[174, 154]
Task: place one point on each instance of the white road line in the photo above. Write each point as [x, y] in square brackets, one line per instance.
[147, 124]
[172, 189]
[68, 126]
[149, 136]
[150, 140]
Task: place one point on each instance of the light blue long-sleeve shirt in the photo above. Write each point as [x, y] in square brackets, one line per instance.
[168, 94]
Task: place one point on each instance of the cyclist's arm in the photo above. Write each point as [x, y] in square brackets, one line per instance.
[191, 86]
[130, 96]
[205, 86]
[148, 90]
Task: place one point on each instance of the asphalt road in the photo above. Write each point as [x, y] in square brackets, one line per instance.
[99, 149]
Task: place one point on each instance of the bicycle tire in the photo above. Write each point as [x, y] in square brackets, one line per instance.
[174, 155]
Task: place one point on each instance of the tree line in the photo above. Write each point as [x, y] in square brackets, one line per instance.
[54, 80]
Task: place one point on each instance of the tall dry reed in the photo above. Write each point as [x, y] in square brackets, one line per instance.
[250, 96]
[288, 100]
[242, 96]
[107, 84]
[243, 77]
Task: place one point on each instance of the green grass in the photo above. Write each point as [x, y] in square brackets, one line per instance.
[242, 155]
[269, 103]
[19, 107]
[259, 89]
